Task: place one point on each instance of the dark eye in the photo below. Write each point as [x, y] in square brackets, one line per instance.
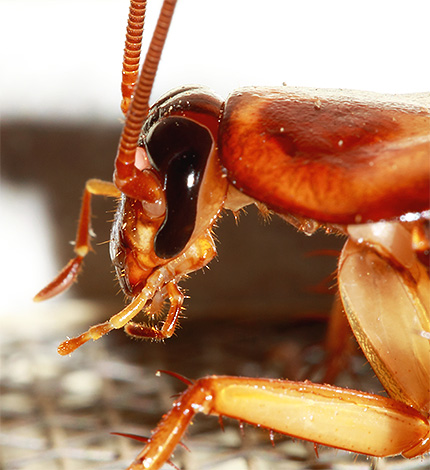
[179, 149]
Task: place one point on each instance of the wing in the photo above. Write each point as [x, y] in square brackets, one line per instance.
[336, 156]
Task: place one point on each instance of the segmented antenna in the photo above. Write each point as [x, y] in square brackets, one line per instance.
[132, 49]
[139, 105]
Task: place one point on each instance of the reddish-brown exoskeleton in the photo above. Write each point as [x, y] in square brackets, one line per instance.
[355, 162]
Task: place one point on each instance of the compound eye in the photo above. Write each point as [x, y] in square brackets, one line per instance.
[179, 149]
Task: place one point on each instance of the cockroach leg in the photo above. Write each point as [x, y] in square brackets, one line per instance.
[338, 347]
[338, 344]
[82, 242]
[385, 291]
[62, 282]
[327, 415]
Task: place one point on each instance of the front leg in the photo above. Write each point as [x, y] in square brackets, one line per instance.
[70, 272]
[331, 416]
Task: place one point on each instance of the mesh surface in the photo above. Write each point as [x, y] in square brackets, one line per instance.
[58, 413]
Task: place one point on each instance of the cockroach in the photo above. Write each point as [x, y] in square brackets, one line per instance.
[354, 162]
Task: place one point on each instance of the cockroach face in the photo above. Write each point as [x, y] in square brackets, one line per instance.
[177, 150]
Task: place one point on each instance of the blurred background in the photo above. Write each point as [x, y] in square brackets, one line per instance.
[256, 311]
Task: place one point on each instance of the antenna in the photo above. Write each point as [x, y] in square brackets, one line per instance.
[133, 46]
[138, 105]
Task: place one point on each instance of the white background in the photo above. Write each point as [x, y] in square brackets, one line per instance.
[62, 58]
